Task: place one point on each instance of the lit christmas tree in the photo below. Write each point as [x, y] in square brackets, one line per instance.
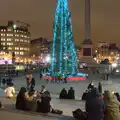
[64, 58]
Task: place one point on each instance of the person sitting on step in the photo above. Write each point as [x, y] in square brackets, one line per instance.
[63, 94]
[10, 91]
[71, 93]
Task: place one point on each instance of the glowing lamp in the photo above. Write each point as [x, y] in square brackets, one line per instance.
[114, 65]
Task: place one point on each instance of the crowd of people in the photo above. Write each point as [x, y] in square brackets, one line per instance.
[101, 106]
[28, 99]
[98, 105]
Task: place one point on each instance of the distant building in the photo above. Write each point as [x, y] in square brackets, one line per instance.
[15, 38]
[40, 48]
[107, 51]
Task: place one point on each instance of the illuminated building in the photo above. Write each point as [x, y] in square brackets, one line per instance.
[107, 51]
[40, 48]
[15, 37]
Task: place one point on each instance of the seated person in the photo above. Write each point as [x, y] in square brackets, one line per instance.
[63, 94]
[44, 106]
[42, 89]
[71, 93]
[10, 91]
[90, 86]
[21, 101]
[85, 95]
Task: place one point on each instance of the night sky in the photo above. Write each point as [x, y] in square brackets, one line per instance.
[105, 17]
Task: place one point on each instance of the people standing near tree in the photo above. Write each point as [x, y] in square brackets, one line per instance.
[106, 74]
[100, 87]
[30, 82]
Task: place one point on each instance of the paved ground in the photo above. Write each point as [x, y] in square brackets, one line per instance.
[14, 115]
[79, 86]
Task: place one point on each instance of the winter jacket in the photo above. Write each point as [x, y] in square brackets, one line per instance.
[44, 106]
[112, 106]
[95, 106]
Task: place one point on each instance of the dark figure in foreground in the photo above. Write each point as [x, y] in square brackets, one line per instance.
[118, 96]
[100, 87]
[63, 94]
[95, 106]
[85, 95]
[21, 102]
[44, 106]
[3, 81]
[71, 93]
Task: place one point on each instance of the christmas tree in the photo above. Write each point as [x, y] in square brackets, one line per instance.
[64, 59]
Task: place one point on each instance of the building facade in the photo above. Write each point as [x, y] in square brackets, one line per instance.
[108, 51]
[15, 38]
[40, 48]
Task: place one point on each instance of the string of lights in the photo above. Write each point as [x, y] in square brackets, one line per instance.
[64, 58]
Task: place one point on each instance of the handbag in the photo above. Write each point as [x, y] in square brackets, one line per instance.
[78, 114]
[57, 111]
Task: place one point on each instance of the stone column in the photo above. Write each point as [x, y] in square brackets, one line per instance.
[87, 21]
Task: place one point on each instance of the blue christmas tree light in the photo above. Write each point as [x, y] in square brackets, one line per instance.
[64, 58]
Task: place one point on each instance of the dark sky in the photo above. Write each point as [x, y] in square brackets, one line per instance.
[40, 13]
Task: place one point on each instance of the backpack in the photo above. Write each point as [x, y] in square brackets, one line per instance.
[78, 114]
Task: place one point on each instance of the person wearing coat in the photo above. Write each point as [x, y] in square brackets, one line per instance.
[100, 87]
[71, 93]
[63, 94]
[30, 82]
[44, 106]
[94, 106]
[112, 106]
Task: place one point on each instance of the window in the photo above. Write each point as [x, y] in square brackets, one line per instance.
[8, 39]
[25, 40]
[21, 53]
[9, 48]
[2, 34]
[17, 40]
[4, 48]
[16, 35]
[2, 43]
[9, 34]
[21, 35]
[21, 40]
[9, 43]
[21, 48]
[2, 39]
[2, 30]
[16, 48]
[9, 29]
[17, 53]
